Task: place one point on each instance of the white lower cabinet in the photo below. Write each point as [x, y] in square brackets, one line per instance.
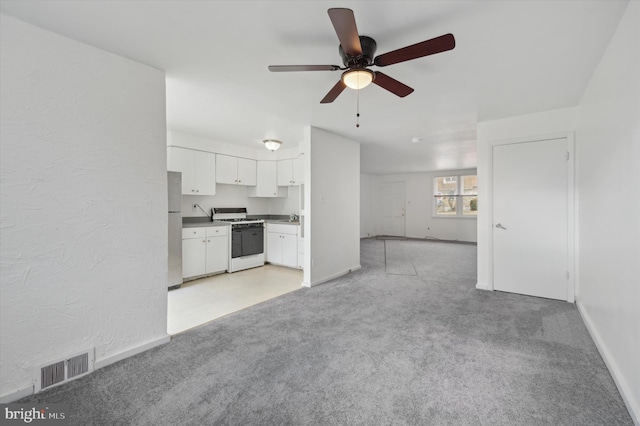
[193, 256]
[300, 250]
[205, 250]
[282, 244]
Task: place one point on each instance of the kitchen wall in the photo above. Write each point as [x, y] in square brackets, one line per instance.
[419, 220]
[83, 202]
[608, 155]
[236, 195]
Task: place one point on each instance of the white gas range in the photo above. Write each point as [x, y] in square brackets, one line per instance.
[246, 245]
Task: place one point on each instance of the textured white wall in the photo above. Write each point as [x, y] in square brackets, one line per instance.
[608, 155]
[83, 203]
[419, 208]
[333, 211]
[538, 124]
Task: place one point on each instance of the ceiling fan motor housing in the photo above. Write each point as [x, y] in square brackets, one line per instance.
[368, 53]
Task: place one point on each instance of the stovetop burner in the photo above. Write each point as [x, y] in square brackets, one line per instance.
[234, 215]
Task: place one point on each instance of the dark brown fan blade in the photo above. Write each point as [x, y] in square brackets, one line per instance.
[392, 85]
[286, 68]
[334, 92]
[418, 50]
[345, 25]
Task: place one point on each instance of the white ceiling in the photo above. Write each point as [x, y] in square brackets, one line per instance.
[511, 58]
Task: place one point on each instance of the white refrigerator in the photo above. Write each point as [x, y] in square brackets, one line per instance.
[174, 185]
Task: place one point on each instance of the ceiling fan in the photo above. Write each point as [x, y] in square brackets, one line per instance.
[358, 52]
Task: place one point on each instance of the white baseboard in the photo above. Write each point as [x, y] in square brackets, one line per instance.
[14, 396]
[480, 286]
[331, 277]
[618, 378]
[131, 352]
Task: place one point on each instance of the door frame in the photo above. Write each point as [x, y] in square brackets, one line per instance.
[571, 212]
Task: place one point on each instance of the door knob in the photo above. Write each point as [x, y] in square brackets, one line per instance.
[499, 226]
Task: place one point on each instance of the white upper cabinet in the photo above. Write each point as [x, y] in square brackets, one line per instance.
[226, 169]
[235, 171]
[266, 181]
[285, 172]
[298, 171]
[290, 172]
[198, 170]
[247, 172]
[205, 171]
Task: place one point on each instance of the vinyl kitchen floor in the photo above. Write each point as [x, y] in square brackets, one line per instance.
[206, 299]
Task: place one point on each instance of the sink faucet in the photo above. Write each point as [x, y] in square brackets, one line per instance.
[293, 217]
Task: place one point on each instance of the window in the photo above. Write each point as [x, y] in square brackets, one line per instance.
[455, 196]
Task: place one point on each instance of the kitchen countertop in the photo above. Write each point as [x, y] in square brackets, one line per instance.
[201, 222]
[283, 222]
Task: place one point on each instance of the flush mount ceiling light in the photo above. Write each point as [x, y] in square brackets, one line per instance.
[416, 140]
[358, 78]
[272, 144]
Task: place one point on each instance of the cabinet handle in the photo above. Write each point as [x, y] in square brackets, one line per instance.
[197, 190]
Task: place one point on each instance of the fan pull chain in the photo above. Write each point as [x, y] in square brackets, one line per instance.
[357, 108]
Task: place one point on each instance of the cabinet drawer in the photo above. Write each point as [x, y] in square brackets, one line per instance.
[193, 233]
[217, 231]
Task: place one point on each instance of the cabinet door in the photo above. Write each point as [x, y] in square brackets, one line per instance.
[205, 173]
[193, 257]
[266, 179]
[226, 169]
[247, 173]
[217, 254]
[285, 169]
[182, 160]
[298, 171]
[274, 247]
[290, 250]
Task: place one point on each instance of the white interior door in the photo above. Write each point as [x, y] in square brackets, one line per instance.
[393, 209]
[530, 218]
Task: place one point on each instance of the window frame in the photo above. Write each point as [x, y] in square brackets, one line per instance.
[459, 196]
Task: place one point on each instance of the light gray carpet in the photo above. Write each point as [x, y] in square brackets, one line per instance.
[397, 260]
[370, 348]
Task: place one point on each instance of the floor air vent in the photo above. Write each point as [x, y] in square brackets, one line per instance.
[64, 370]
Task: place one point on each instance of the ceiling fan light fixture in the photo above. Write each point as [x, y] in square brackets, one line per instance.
[357, 79]
[272, 144]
